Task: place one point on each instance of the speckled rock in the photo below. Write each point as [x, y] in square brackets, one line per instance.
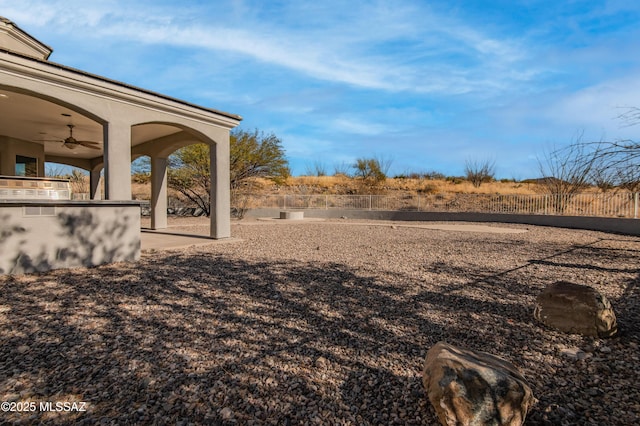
[577, 309]
[474, 388]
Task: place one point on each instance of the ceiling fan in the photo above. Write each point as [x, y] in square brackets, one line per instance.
[72, 143]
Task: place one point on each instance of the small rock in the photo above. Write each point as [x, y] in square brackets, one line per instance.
[321, 362]
[145, 382]
[226, 413]
[605, 349]
[573, 353]
[593, 391]
[23, 348]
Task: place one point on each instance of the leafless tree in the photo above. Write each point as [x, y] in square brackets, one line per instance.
[631, 116]
[478, 172]
[620, 160]
[608, 164]
[603, 178]
[566, 172]
[627, 176]
[341, 169]
[317, 169]
[614, 164]
[56, 170]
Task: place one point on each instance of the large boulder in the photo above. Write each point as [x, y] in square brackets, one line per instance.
[577, 309]
[468, 388]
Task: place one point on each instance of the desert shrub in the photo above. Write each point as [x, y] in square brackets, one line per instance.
[370, 170]
[141, 177]
[341, 169]
[456, 180]
[429, 188]
[433, 175]
[318, 169]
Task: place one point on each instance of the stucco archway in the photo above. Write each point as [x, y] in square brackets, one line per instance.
[125, 120]
[159, 149]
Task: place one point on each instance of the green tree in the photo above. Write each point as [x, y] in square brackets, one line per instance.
[371, 170]
[255, 154]
[252, 154]
[189, 174]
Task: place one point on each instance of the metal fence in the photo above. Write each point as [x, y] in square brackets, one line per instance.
[598, 205]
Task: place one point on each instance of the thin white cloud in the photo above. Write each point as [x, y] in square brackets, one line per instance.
[352, 47]
[597, 108]
[358, 127]
[326, 77]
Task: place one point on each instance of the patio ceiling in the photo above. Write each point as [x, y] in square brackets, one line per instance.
[29, 118]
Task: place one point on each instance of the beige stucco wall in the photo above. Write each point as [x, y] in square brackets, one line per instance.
[39, 236]
[10, 147]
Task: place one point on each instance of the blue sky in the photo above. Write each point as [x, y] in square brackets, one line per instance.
[425, 85]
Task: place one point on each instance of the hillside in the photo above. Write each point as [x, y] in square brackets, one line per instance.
[342, 185]
[347, 185]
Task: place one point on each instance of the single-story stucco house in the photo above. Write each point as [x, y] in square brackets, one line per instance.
[53, 113]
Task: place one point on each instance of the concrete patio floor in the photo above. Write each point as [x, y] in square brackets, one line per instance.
[151, 240]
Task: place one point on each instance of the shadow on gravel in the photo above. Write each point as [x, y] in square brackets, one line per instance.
[212, 340]
[627, 308]
[209, 339]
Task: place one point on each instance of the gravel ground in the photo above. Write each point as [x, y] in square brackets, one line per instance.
[316, 323]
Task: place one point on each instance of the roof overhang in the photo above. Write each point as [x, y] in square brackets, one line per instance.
[13, 38]
[35, 117]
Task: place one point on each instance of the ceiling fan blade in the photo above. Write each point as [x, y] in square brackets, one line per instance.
[88, 144]
[72, 143]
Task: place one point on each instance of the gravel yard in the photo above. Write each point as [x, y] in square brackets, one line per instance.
[316, 323]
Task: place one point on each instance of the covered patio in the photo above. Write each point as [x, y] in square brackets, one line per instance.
[53, 113]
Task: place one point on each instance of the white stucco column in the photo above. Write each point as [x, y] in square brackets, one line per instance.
[220, 191]
[158, 192]
[94, 183]
[117, 160]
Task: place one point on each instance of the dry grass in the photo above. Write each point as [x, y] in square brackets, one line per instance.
[346, 185]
